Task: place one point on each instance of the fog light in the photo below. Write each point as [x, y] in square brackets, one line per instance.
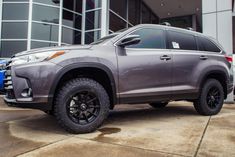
[27, 92]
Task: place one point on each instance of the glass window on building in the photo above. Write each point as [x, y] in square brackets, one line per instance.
[9, 48]
[134, 11]
[15, 11]
[36, 44]
[73, 5]
[15, 0]
[45, 31]
[119, 7]
[49, 2]
[145, 14]
[93, 4]
[93, 20]
[14, 30]
[72, 20]
[116, 23]
[70, 36]
[92, 36]
[46, 14]
[150, 39]
[181, 22]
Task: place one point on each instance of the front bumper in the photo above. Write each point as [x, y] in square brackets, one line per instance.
[28, 86]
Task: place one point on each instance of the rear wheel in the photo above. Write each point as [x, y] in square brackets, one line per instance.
[159, 104]
[81, 105]
[211, 99]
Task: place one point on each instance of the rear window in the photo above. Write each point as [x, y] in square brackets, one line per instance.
[181, 41]
[207, 45]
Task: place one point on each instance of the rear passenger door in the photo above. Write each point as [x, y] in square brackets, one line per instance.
[186, 61]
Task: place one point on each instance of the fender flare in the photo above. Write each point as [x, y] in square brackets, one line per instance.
[66, 69]
[221, 72]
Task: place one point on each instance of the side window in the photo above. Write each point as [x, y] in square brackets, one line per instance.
[206, 45]
[181, 41]
[150, 39]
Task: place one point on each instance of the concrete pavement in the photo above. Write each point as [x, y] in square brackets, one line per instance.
[130, 131]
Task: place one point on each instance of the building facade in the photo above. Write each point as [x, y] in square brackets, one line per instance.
[29, 24]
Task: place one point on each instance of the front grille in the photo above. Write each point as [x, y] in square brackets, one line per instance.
[8, 86]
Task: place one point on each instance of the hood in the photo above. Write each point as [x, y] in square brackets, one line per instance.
[56, 48]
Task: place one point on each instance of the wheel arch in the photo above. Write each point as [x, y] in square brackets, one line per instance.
[80, 66]
[219, 75]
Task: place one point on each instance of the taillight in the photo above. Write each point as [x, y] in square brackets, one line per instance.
[229, 59]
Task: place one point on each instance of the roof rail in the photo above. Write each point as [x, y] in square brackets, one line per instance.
[189, 28]
[165, 23]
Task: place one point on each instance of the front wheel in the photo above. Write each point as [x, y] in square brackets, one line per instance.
[81, 105]
[211, 99]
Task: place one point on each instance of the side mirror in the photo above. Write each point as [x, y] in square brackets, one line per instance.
[129, 40]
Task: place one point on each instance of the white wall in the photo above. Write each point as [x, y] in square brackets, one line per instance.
[217, 22]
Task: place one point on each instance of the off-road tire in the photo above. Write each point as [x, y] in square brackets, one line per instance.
[201, 104]
[71, 87]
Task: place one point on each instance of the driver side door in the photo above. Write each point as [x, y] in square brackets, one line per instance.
[145, 68]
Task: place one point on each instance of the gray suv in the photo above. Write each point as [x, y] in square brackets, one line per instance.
[152, 64]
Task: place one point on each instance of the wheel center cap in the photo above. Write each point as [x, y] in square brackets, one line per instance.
[83, 107]
[213, 98]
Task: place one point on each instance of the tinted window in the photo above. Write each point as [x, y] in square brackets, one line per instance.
[206, 45]
[150, 38]
[181, 41]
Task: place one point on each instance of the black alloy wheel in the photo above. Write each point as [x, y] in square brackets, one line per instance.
[83, 107]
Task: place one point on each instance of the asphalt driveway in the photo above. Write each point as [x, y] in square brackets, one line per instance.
[130, 131]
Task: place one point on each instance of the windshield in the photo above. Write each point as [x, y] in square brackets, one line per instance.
[105, 39]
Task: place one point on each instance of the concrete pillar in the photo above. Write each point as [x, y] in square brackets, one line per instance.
[217, 22]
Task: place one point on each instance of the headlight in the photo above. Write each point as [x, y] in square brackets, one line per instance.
[36, 57]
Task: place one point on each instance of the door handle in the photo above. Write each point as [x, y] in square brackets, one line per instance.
[203, 57]
[165, 57]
